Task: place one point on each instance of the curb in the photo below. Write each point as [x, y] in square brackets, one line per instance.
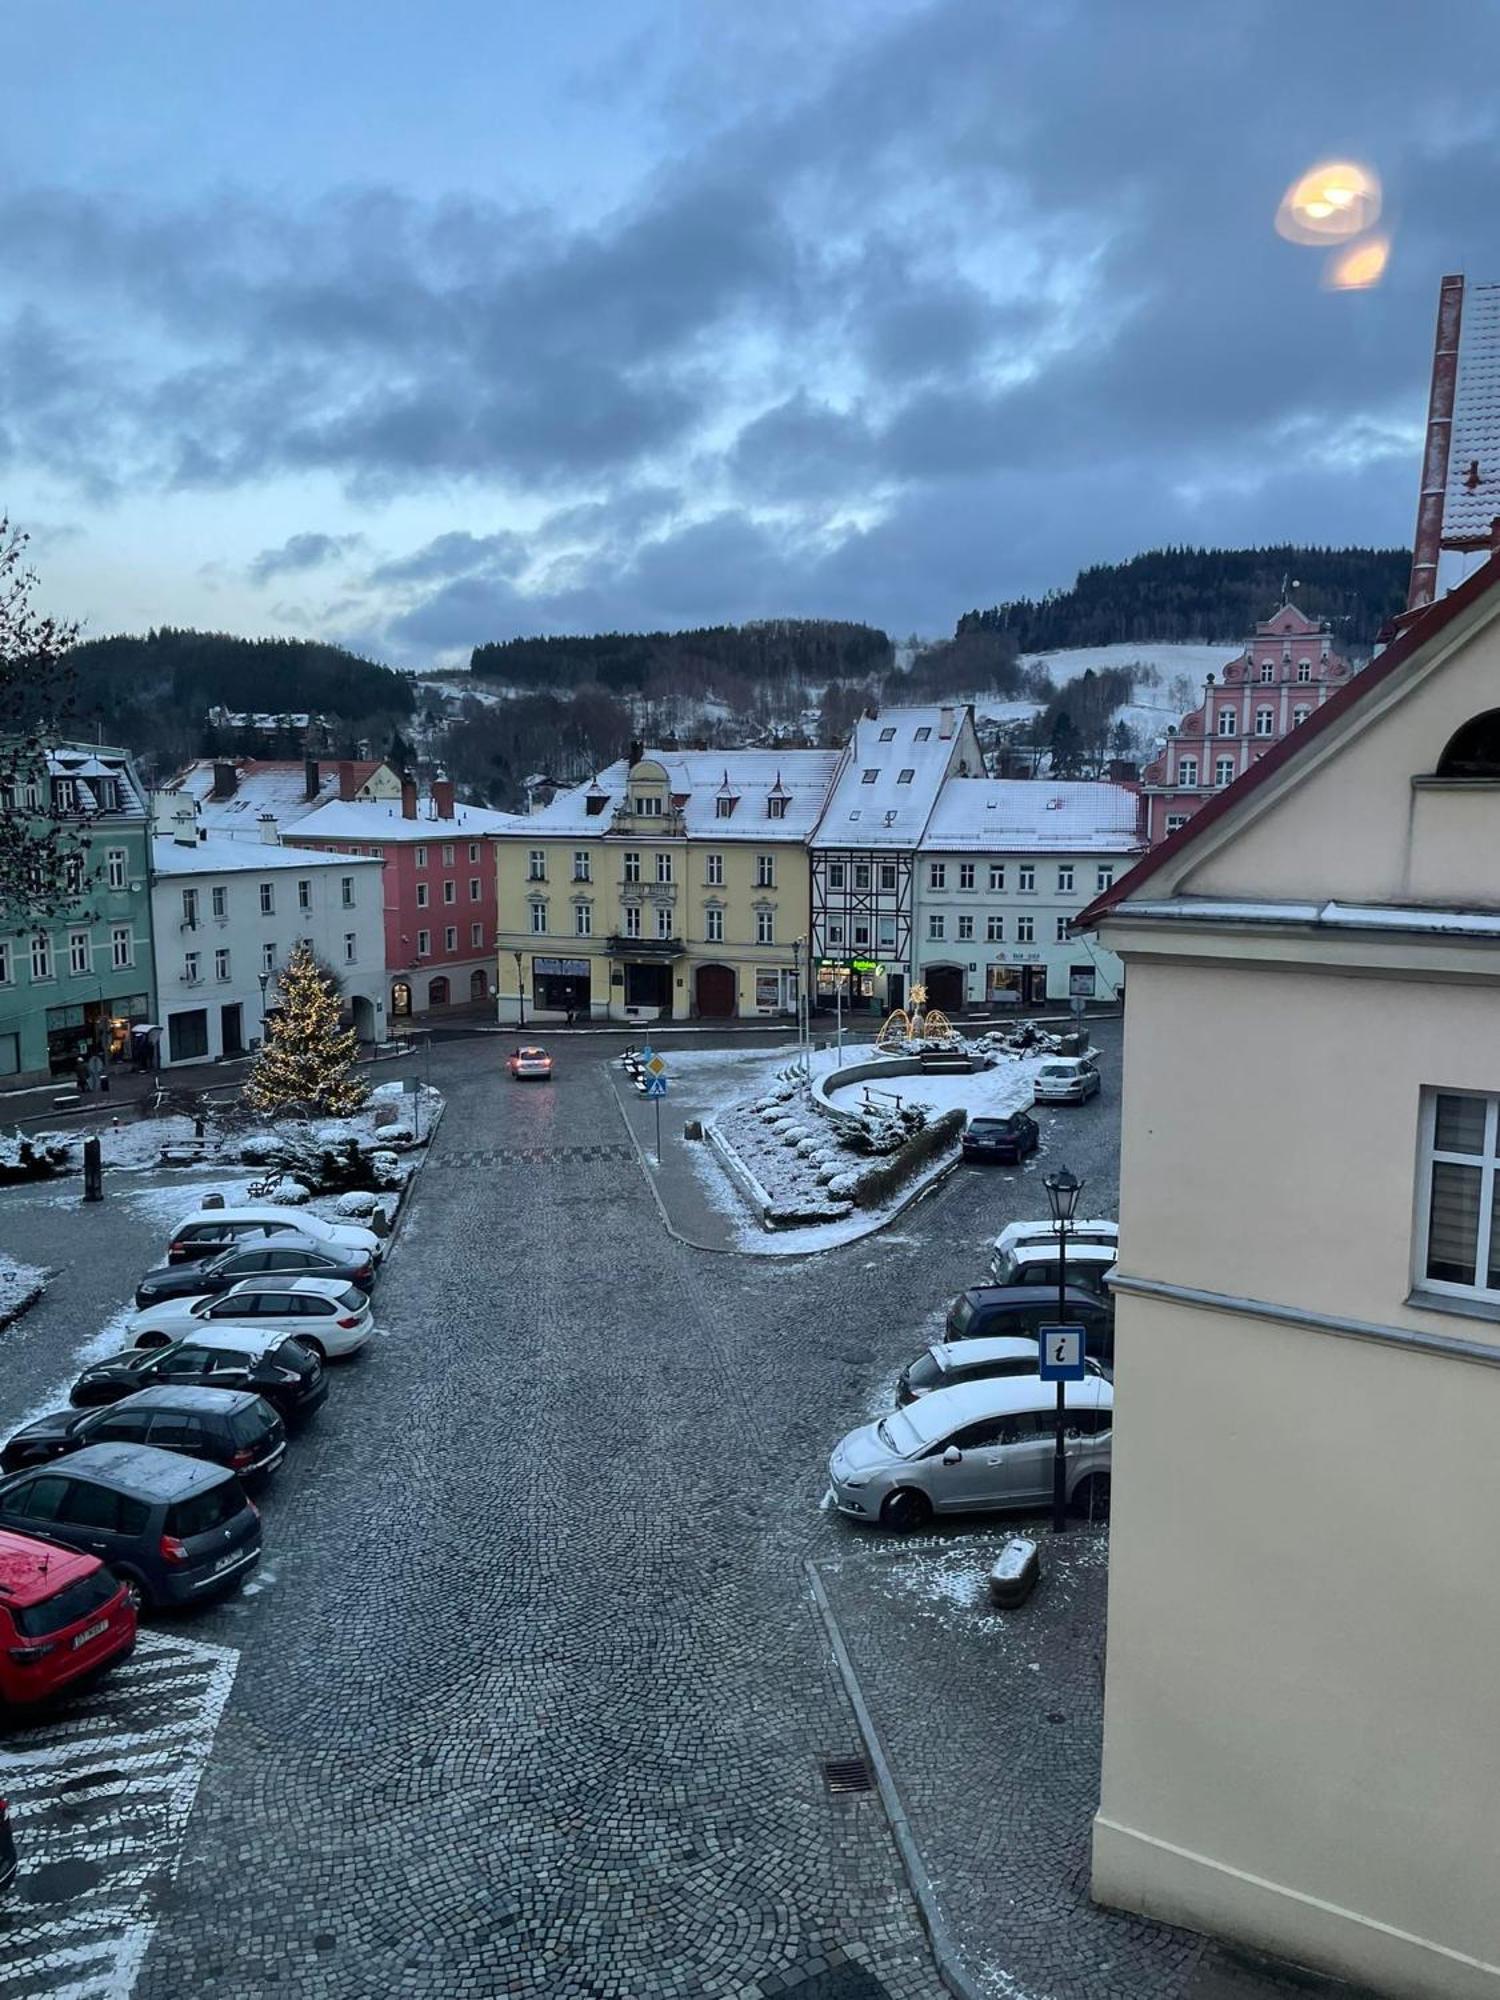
[944, 1951]
[715, 1249]
[399, 1227]
[22, 1304]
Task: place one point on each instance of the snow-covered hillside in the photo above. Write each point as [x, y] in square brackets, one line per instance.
[1180, 671]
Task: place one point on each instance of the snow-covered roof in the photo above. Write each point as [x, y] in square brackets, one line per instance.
[1035, 816]
[87, 763]
[381, 819]
[225, 855]
[277, 786]
[696, 779]
[893, 771]
[1476, 924]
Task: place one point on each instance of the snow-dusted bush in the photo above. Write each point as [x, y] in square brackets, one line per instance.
[388, 1170]
[357, 1203]
[37, 1159]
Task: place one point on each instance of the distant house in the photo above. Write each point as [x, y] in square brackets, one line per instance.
[233, 794]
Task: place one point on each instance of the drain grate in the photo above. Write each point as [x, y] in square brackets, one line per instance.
[846, 1775]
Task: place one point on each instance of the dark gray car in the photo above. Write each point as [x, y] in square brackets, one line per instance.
[279, 1257]
[177, 1528]
[232, 1427]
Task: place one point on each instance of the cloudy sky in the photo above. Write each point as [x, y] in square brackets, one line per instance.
[422, 325]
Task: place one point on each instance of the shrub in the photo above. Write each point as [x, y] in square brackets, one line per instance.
[876, 1184]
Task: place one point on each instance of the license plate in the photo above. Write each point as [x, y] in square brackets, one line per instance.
[227, 1562]
[90, 1632]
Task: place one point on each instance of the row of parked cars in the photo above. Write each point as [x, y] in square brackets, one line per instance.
[138, 1494]
[974, 1425]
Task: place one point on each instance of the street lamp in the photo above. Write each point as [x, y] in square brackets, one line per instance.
[265, 981]
[1063, 1190]
[520, 991]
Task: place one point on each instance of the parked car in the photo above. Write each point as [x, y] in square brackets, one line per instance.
[531, 1062]
[281, 1256]
[1065, 1080]
[63, 1617]
[947, 1363]
[1089, 1265]
[985, 1312]
[274, 1365]
[209, 1231]
[1005, 1139]
[1018, 1240]
[231, 1427]
[176, 1528]
[978, 1447]
[329, 1317]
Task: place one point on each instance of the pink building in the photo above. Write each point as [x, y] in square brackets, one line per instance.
[1286, 671]
[439, 888]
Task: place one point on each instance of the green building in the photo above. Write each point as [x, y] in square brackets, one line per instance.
[73, 984]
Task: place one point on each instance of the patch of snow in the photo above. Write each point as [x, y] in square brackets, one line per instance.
[20, 1286]
[1169, 658]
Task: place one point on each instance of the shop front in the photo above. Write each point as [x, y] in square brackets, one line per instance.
[92, 1027]
[1009, 983]
[560, 986]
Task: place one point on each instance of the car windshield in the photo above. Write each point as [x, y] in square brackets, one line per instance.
[924, 1373]
[897, 1434]
[963, 1313]
[66, 1607]
[352, 1300]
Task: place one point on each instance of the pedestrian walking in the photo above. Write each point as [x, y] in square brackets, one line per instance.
[96, 1071]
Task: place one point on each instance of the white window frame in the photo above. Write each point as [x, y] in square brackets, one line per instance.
[268, 899]
[80, 953]
[835, 874]
[1227, 723]
[351, 947]
[447, 853]
[41, 956]
[583, 865]
[1488, 1162]
[997, 878]
[1299, 716]
[1064, 879]
[1026, 878]
[1175, 820]
[114, 867]
[219, 902]
[1062, 931]
[192, 962]
[1265, 722]
[583, 920]
[268, 958]
[965, 874]
[888, 878]
[476, 936]
[538, 908]
[1267, 671]
[937, 927]
[221, 962]
[450, 938]
[1104, 877]
[632, 920]
[1304, 671]
[536, 864]
[450, 891]
[304, 895]
[666, 916]
[765, 927]
[765, 871]
[346, 892]
[965, 929]
[937, 877]
[1223, 772]
[632, 864]
[476, 889]
[7, 975]
[1187, 770]
[424, 896]
[1026, 930]
[713, 924]
[663, 866]
[715, 872]
[994, 930]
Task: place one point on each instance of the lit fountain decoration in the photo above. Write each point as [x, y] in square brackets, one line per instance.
[918, 1026]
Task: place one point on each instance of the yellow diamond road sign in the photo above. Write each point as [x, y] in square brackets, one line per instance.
[656, 1067]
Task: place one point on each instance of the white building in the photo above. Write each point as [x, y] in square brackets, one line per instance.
[1300, 1747]
[1004, 867]
[226, 913]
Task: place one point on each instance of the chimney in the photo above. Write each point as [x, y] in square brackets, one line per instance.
[636, 752]
[268, 833]
[184, 825]
[226, 778]
[945, 723]
[347, 784]
[408, 798]
[310, 768]
[442, 797]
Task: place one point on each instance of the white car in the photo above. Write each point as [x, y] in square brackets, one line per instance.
[209, 1230]
[1065, 1080]
[1025, 1253]
[327, 1315]
[982, 1446]
[948, 1362]
[1086, 1229]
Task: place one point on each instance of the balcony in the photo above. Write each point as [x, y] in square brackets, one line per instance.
[644, 947]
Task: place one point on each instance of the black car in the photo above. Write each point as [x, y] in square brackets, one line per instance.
[1006, 1139]
[987, 1311]
[230, 1427]
[174, 1527]
[279, 1368]
[288, 1256]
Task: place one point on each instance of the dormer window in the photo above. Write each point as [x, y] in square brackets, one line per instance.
[887, 735]
[868, 777]
[776, 807]
[923, 735]
[648, 804]
[724, 806]
[905, 777]
[594, 803]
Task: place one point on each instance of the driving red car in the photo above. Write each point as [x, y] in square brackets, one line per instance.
[530, 1062]
[63, 1616]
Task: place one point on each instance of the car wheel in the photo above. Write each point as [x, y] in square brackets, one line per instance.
[905, 1511]
[314, 1347]
[153, 1339]
[140, 1597]
[1091, 1497]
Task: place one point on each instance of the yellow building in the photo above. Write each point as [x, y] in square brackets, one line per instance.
[669, 888]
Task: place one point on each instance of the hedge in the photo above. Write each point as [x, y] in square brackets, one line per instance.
[878, 1183]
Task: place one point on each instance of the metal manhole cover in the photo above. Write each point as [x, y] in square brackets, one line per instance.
[846, 1775]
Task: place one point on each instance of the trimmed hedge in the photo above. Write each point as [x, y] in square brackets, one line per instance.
[876, 1184]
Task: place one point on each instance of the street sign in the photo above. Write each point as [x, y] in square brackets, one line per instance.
[1061, 1350]
[656, 1066]
[656, 1086]
[648, 1054]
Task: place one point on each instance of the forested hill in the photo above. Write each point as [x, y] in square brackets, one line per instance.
[811, 651]
[1206, 594]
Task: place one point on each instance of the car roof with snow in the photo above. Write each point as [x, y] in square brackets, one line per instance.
[996, 1347]
[1039, 1251]
[998, 1396]
[250, 1340]
[144, 1471]
[295, 1218]
[1045, 1230]
[284, 1281]
[186, 1396]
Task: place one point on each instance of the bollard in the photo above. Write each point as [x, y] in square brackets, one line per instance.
[93, 1170]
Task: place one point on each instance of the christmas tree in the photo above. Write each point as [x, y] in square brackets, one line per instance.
[306, 1062]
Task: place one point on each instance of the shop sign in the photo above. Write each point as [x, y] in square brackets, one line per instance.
[561, 968]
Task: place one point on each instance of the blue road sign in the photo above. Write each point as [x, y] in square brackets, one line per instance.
[656, 1086]
[1062, 1358]
[647, 1053]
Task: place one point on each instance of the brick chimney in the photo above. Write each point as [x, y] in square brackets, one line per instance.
[408, 798]
[442, 797]
[348, 783]
[311, 779]
[226, 779]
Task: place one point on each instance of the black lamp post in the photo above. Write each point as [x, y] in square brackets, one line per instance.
[520, 991]
[1063, 1190]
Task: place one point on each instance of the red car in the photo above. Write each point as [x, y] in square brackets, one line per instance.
[63, 1615]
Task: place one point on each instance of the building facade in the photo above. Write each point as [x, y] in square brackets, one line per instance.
[1285, 674]
[226, 916]
[438, 885]
[673, 886]
[1299, 1740]
[76, 984]
[234, 795]
[1004, 869]
[865, 845]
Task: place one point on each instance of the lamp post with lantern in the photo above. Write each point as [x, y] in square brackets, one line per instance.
[1063, 1190]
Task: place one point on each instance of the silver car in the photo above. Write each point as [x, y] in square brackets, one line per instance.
[1065, 1080]
[977, 1448]
[948, 1362]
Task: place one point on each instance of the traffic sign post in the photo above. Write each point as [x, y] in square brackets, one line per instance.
[1062, 1354]
[656, 1086]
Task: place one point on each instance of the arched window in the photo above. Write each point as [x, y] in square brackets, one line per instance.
[437, 992]
[479, 985]
[1474, 750]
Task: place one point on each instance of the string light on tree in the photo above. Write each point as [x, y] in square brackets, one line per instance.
[306, 1062]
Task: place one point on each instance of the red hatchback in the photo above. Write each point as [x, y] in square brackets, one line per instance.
[63, 1615]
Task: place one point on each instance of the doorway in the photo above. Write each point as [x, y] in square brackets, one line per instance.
[945, 987]
[649, 986]
[401, 999]
[715, 991]
[232, 1029]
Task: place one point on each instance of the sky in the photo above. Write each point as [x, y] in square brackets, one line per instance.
[417, 327]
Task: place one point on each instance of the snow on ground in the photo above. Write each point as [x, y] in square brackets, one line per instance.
[987, 1093]
[112, 1338]
[21, 1285]
[1169, 659]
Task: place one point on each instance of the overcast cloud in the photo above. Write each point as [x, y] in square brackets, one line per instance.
[928, 310]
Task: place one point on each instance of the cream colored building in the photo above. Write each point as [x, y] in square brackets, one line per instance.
[1300, 1742]
[669, 888]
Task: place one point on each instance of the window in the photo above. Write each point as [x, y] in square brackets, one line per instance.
[776, 806]
[41, 956]
[715, 872]
[724, 806]
[583, 920]
[1062, 930]
[304, 895]
[346, 891]
[7, 976]
[1227, 722]
[219, 902]
[835, 874]
[1223, 771]
[1065, 879]
[268, 899]
[536, 865]
[1025, 930]
[713, 924]
[1268, 670]
[474, 889]
[905, 777]
[937, 875]
[582, 866]
[73, 874]
[424, 896]
[268, 958]
[1104, 877]
[632, 866]
[1187, 770]
[921, 735]
[1458, 1249]
[888, 875]
[663, 867]
[1026, 878]
[80, 954]
[765, 871]
[1175, 820]
[886, 927]
[1304, 670]
[450, 938]
[538, 918]
[221, 963]
[664, 916]
[862, 936]
[936, 925]
[997, 875]
[649, 804]
[887, 735]
[424, 938]
[190, 907]
[994, 930]
[632, 920]
[476, 935]
[421, 857]
[861, 875]
[450, 892]
[1299, 716]
[868, 777]
[64, 795]
[351, 947]
[191, 961]
[447, 853]
[965, 874]
[966, 927]
[473, 850]
[1265, 721]
[835, 934]
[765, 927]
